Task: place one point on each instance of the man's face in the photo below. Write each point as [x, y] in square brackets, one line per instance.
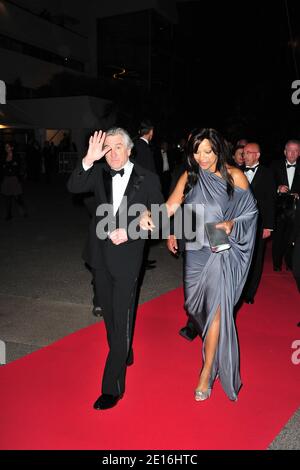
[292, 152]
[151, 132]
[251, 154]
[118, 156]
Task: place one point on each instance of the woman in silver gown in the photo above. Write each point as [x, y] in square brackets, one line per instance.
[213, 282]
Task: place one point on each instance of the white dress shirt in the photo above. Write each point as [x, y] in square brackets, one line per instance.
[290, 173]
[250, 174]
[119, 183]
[164, 155]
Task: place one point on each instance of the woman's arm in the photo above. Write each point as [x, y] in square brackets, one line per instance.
[172, 204]
[176, 198]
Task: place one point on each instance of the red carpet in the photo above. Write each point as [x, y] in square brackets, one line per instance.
[46, 398]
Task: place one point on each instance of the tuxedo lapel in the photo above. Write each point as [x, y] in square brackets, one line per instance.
[283, 171]
[107, 183]
[133, 186]
[296, 181]
[256, 178]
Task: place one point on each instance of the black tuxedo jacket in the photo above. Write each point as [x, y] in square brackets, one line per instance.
[143, 188]
[285, 205]
[143, 156]
[280, 174]
[263, 187]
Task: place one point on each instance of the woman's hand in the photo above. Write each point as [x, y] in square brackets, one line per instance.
[227, 226]
[146, 222]
[172, 244]
[96, 149]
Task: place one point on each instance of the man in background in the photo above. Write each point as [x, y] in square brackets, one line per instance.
[287, 179]
[263, 187]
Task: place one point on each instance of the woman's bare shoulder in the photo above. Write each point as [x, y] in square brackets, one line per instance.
[239, 179]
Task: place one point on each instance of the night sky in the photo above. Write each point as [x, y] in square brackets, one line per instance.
[228, 65]
[241, 67]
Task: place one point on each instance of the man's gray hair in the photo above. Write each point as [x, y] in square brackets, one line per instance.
[120, 131]
[292, 141]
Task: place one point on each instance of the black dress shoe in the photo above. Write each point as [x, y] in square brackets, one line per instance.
[106, 401]
[249, 301]
[97, 311]
[277, 268]
[188, 333]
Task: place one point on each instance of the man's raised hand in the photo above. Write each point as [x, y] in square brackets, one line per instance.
[96, 148]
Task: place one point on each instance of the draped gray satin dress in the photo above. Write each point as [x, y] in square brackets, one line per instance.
[217, 279]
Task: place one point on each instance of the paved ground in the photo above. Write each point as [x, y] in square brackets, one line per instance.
[45, 290]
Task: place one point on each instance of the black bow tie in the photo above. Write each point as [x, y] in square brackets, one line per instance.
[290, 166]
[116, 172]
[250, 169]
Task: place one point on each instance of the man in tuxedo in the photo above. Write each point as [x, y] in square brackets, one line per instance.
[164, 162]
[262, 184]
[143, 155]
[90, 204]
[142, 152]
[113, 251]
[287, 179]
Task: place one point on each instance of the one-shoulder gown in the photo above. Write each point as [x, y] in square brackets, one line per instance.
[217, 279]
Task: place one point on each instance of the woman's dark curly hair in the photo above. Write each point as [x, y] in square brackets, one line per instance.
[220, 148]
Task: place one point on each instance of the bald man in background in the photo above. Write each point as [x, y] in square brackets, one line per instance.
[263, 187]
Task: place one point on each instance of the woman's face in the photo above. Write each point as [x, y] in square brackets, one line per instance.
[239, 156]
[205, 157]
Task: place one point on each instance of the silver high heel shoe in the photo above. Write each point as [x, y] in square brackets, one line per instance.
[201, 396]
